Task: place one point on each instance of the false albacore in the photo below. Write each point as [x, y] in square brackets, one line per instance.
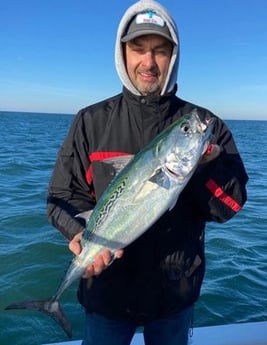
[147, 187]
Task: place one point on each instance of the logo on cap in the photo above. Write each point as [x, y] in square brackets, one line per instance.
[149, 18]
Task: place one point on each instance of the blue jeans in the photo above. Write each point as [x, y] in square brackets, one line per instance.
[172, 330]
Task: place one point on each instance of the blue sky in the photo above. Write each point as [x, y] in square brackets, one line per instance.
[58, 55]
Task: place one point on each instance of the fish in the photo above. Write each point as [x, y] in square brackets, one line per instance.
[146, 185]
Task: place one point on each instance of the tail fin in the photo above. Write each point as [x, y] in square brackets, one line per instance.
[50, 307]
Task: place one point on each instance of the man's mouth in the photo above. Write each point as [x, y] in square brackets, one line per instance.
[148, 76]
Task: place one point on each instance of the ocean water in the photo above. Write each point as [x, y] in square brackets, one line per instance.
[34, 256]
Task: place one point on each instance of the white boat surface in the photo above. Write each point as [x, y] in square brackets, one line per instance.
[251, 333]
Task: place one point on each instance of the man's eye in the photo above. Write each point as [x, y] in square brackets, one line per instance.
[161, 51]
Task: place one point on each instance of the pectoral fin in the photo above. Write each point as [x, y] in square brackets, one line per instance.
[160, 179]
[147, 188]
[156, 181]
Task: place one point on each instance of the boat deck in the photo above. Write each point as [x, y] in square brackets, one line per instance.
[252, 333]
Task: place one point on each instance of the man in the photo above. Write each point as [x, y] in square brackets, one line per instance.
[157, 279]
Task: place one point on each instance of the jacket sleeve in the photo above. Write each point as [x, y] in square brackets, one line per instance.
[68, 191]
[218, 188]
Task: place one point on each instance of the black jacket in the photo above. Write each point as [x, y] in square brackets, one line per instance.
[162, 271]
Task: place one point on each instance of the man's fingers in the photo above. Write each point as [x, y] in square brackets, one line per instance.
[118, 253]
[212, 152]
[75, 245]
[102, 261]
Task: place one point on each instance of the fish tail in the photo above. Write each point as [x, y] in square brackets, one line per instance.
[50, 307]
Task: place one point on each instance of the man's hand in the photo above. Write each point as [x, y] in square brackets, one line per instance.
[102, 261]
[211, 153]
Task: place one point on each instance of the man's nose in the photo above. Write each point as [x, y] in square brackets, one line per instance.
[149, 59]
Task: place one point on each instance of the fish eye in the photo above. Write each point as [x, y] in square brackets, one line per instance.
[185, 127]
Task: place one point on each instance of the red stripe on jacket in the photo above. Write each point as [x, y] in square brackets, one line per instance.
[98, 156]
[218, 192]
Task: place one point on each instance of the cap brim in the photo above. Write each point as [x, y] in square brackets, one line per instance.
[139, 33]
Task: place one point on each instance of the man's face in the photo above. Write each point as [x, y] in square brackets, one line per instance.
[147, 62]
